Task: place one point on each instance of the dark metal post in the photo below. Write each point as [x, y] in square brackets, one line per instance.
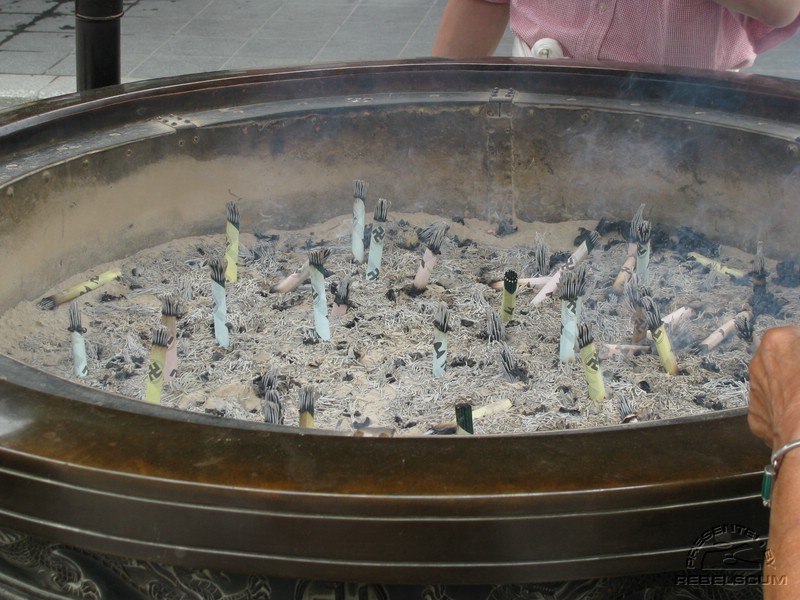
[97, 42]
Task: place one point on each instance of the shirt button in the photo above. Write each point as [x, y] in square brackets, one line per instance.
[601, 7]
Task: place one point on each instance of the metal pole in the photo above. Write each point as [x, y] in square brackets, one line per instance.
[97, 43]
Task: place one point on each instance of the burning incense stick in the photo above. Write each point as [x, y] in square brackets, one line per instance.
[627, 414]
[633, 294]
[432, 236]
[440, 327]
[716, 338]
[571, 287]
[308, 400]
[541, 256]
[218, 267]
[272, 408]
[359, 195]
[660, 335]
[316, 260]
[718, 266]
[477, 413]
[591, 364]
[292, 281]
[232, 242]
[759, 273]
[510, 364]
[746, 331]
[494, 328]
[643, 231]
[155, 373]
[464, 419]
[577, 257]
[80, 366]
[629, 266]
[341, 299]
[169, 319]
[509, 296]
[50, 302]
[378, 235]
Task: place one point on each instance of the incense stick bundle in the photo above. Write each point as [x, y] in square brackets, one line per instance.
[627, 414]
[643, 232]
[50, 302]
[591, 364]
[717, 266]
[80, 367]
[441, 317]
[218, 267]
[169, 319]
[432, 237]
[341, 299]
[577, 257]
[357, 243]
[477, 413]
[723, 332]
[494, 328]
[292, 281]
[746, 331]
[571, 287]
[532, 282]
[509, 296]
[232, 242]
[510, 364]
[155, 373]
[308, 396]
[629, 266]
[272, 407]
[376, 244]
[316, 260]
[541, 256]
[633, 294]
[464, 419]
[660, 336]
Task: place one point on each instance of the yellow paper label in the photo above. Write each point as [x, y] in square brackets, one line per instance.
[231, 252]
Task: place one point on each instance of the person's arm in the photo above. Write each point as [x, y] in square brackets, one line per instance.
[774, 416]
[470, 29]
[774, 13]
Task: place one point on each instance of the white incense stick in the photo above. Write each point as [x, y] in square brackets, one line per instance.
[357, 243]
[376, 241]
[571, 287]
[232, 243]
[441, 316]
[155, 373]
[218, 266]
[292, 281]
[316, 260]
[580, 254]
[169, 319]
[721, 334]
[432, 236]
[80, 367]
[643, 233]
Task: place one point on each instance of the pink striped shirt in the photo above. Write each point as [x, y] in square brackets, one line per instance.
[681, 33]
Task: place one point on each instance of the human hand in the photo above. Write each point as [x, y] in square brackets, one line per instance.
[774, 413]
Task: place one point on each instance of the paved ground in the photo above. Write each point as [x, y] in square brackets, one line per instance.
[172, 37]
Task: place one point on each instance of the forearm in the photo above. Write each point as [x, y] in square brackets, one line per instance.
[470, 29]
[784, 533]
[775, 13]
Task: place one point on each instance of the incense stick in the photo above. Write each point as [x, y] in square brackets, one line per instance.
[432, 236]
[477, 413]
[441, 316]
[357, 243]
[591, 364]
[643, 231]
[718, 266]
[660, 335]
[341, 299]
[715, 339]
[509, 296]
[155, 373]
[580, 254]
[541, 256]
[571, 287]
[232, 242]
[316, 260]
[464, 419]
[293, 280]
[169, 319]
[746, 331]
[510, 364]
[80, 367]
[50, 302]
[494, 328]
[272, 407]
[627, 414]
[376, 243]
[308, 397]
[218, 267]
[633, 294]
[629, 266]
[531, 282]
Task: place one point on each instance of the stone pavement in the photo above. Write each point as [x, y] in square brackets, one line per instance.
[163, 38]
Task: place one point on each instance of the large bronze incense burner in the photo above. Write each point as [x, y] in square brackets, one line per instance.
[87, 180]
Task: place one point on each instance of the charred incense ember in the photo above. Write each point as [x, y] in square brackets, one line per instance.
[571, 287]
[341, 299]
[577, 257]
[308, 397]
[745, 329]
[510, 364]
[432, 236]
[359, 195]
[643, 232]
[494, 328]
[272, 408]
[440, 328]
[717, 266]
[378, 235]
[464, 419]
[627, 414]
[591, 364]
[316, 260]
[266, 381]
[292, 281]
[509, 296]
[50, 302]
[80, 366]
[232, 243]
[155, 373]
[170, 310]
[218, 267]
[633, 294]
[660, 335]
[759, 274]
